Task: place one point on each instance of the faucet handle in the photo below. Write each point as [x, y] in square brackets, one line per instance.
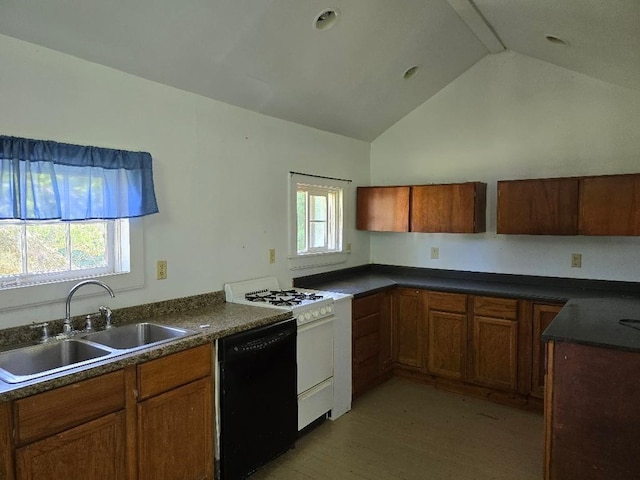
[89, 322]
[45, 331]
[106, 313]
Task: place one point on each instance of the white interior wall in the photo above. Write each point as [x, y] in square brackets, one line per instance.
[508, 117]
[221, 173]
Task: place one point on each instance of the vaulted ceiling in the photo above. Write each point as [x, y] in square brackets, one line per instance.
[269, 56]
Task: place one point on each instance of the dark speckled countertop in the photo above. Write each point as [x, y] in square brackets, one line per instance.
[596, 322]
[209, 316]
[590, 316]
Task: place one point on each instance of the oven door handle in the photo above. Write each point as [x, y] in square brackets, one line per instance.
[314, 323]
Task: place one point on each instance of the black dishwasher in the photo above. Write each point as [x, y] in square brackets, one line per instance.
[258, 398]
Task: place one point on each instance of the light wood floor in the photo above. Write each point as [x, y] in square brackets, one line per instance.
[404, 430]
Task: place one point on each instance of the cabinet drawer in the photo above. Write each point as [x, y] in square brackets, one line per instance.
[51, 412]
[506, 308]
[169, 372]
[366, 347]
[365, 306]
[365, 373]
[448, 302]
[366, 325]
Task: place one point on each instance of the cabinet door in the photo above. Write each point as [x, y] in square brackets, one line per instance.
[366, 351]
[92, 451]
[447, 344]
[175, 433]
[453, 208]
[383, 209]
[592, 422]
[6, 444]
[386, 319]
[610, 205]
[538, 207]
[407, 327]
[543, 315]
[494, 352]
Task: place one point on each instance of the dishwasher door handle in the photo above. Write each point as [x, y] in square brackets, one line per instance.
[258, 345]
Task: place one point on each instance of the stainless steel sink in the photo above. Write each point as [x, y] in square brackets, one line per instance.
[136, 335]
[29, 363]
[32, 362]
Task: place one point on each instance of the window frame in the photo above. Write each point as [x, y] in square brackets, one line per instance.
[313, 257]
[28, 296]
[116, 243]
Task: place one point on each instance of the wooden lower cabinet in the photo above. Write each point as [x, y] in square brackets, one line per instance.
[591, 413]
[408, 330]
[150, 421]
[446, 334]
[371, 361]
[447, 344]
[174, 433]
[472, 344]
[543, 315]
[494, 344]
[494, 352]
[93, 451]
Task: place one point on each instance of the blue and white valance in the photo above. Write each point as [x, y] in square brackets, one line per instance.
[46, 180]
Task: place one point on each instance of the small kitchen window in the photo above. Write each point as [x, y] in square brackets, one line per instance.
[55, 251]
[317, 221]
[69, 212]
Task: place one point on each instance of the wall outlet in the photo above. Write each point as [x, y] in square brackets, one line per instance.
[435, 253]
[272, 255]
[348, 247]
[161, 270]
[576, 260]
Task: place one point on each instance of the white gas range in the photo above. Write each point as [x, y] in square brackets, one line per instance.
[314, 314]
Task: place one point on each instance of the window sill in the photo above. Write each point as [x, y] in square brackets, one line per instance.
[299, 262]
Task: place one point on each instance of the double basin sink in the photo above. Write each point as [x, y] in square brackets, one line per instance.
[29, 363]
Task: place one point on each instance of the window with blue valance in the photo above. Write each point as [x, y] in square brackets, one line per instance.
[46, 180]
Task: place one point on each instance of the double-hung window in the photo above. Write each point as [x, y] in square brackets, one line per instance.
[317, 221]
[36, 252]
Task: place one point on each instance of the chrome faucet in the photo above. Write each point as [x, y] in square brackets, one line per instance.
[66, 329]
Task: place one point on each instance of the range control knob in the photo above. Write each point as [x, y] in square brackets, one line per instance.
[316, 313]
[323, 310]
[307, 316]
[329, 309]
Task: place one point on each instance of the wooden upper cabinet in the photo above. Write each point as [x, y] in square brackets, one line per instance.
[598, 205]
[383, 209]
[538, 207]
[610, 205]
[453, 208]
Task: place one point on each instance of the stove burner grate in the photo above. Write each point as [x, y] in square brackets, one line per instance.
[281, 297]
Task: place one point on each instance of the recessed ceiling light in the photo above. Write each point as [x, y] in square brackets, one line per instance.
[410, 72]
[556, 40]
[326, 19]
